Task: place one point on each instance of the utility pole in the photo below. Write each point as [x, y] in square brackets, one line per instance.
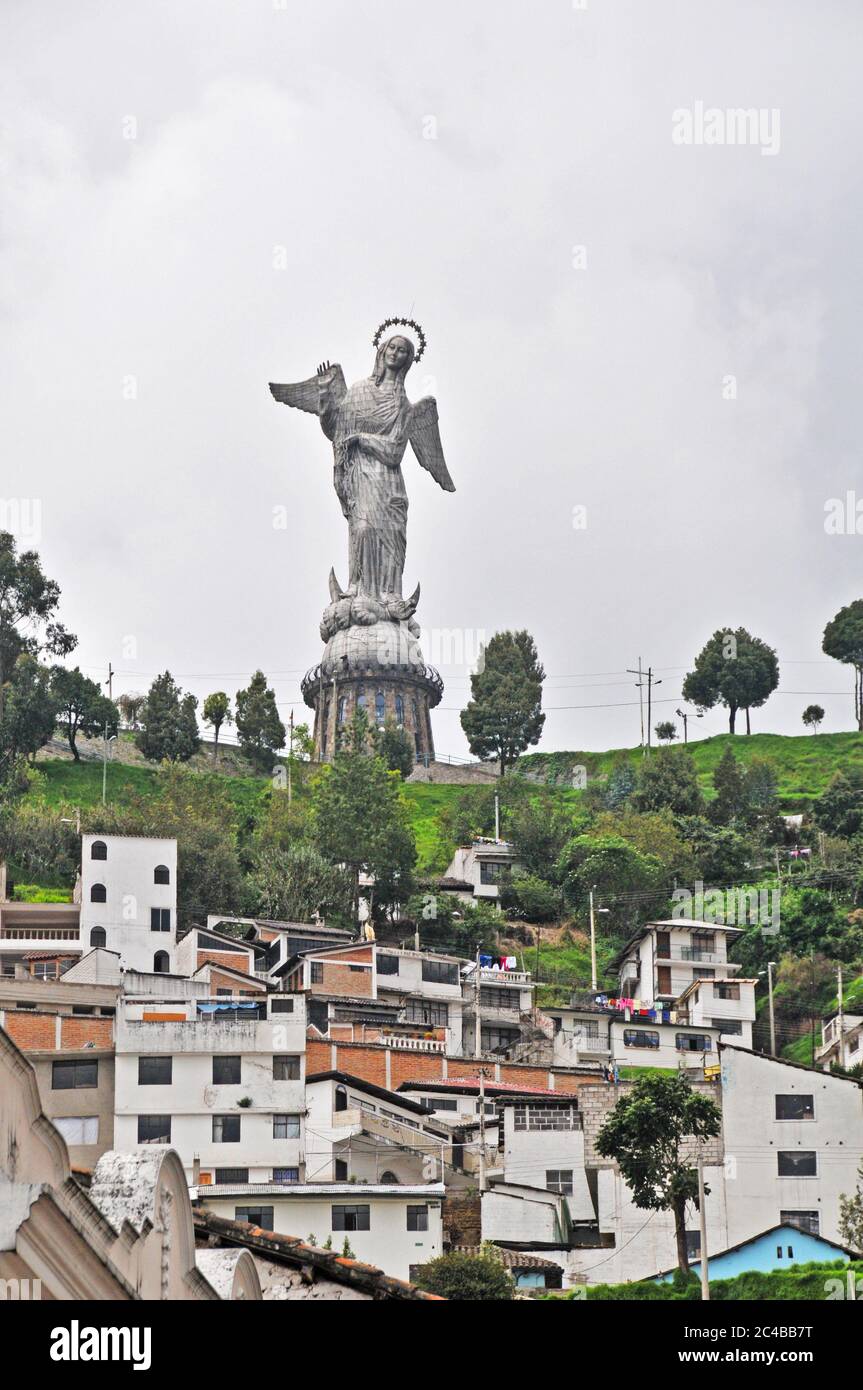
[770, 965]
[477, 1028]
[482, 1129]
[290, 757]
[702, 1227]
[497, 818]
[640, 686]
[592, 944]
[840, 1019]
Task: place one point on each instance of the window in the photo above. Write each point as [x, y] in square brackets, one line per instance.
[351, 1218]
[723, 990]
[795, 1107]
[389, 1177]
[435, 1103]
[46, 969]
[226, 1129]
[286, 1126]
[693, 1244]
[809, 1221]
[78, 1129]
[730, 1027]
[640, 1037]
[98, 936]
[559, 1180]
[155, 1071]
[226, 1071]
[160, 919]
[702, 972]
[379, 707]
[418, 1217]
[693, 1042]
[439, 972]
[400, 710]
[342, 709]
[256, 1216]
[362, 700]
[282, 1006]
[161, 874]
[498, 1039]
[232, 1175]
[161, 962]
[388, 965]
[317, 972]
[341, 1170]
[154, 1129]
[797, 1163]
[494, 997]
[490, 872]
[83, 1010]
[341, 1098]
[98, 850]
[98, 893]
[423, 1011]
[74, 1076]
[286, 1175]
[286, 1068]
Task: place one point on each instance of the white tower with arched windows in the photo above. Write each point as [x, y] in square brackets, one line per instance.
[129, 899]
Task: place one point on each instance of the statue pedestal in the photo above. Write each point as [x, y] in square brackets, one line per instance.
[377, 667]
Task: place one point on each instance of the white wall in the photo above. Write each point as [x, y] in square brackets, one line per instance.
[388, 1243]
[127, 874]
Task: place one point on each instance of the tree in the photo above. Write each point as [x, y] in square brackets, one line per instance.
[813, 715]
[843, 640]
[646, 1134]
[666, 731]
[621, 783]
[851, 1214]
[396, 748]
[467, 1278]
[292, 885]
[217, 711]
[530, 898]
[613, 867]
[729, 804]
[169, 724]
[130, 705]
[29, 713]
[361, 820]
[733, 669]
[839, 809]
[82, 707]
[28, 607]
[668, 780]
[504, 715]
[259, 729]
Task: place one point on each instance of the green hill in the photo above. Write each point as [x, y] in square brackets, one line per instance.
[804, 763]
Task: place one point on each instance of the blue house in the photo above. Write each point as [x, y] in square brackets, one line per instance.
[781, 1247]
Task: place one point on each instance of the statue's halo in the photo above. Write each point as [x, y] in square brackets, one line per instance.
[403, 323]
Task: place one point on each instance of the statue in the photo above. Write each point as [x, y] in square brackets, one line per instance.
[372, 653]
[370, 425]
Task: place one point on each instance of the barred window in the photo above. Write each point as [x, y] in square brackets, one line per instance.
[640, 1037]
[423, 1011]
[440, 972]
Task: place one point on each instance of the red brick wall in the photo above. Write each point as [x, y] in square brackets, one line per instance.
[368, 1061]
[37, 1032]
[224, 958]
[340, 979]
[31, 1031]
[77, 1032]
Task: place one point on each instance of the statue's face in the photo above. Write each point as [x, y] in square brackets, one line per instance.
[397, 353]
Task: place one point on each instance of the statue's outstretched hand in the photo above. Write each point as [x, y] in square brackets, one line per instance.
[323, 368]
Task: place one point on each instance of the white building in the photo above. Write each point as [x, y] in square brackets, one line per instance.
[359, 1132]
[219, 1079]
[129, 898]
[841, 1041]
[664, 958]
[427, 989]
[390, 1226]
[480, 868]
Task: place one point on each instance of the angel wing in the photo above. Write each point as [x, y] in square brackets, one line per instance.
[319, 393]
[424, 435]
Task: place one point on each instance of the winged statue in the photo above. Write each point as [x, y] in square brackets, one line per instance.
[370, 425]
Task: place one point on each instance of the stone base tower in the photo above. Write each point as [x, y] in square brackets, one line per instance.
[377, 667]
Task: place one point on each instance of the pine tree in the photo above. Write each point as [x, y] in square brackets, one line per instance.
[259, 729]
[504, 715]
[169, 723]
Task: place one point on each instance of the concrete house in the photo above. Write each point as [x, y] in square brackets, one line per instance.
[129, 898]
[664, 958]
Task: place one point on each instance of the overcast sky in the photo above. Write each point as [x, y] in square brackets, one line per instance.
[200, 196]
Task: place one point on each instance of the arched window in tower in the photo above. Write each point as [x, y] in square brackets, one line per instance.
[98, 936]
[98, 850]
[400, 711]
[361, 700]
[98, 893]
[161, 874]
[161, 962]
[380, 709]
[325, 719]
[343, 709]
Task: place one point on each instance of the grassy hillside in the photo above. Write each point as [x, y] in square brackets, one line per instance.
[804, 763]
[811, 1282]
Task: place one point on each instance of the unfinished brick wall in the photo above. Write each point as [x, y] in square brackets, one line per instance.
[236, 962]
[31, 1031]
[340, 979]
[596, 1103]
[80, 1032]
[461, 1217]
[50, 1032]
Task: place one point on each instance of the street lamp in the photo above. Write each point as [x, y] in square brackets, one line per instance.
[593, 911]
[685, 716]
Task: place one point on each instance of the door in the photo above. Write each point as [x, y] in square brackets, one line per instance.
[663, 979]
